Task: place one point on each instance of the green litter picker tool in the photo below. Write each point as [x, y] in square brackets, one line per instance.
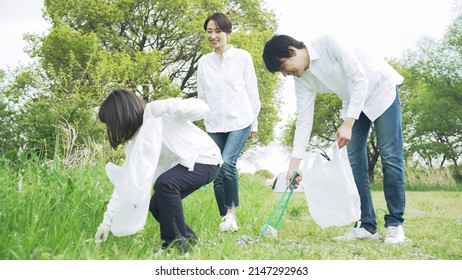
[273, 231]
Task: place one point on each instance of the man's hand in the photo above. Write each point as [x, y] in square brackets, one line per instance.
[293, 167]
[102, 233]
[343, 134]
[294, 180]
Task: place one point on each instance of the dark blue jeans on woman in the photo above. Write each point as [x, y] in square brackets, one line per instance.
[169, 189]
[226, 184]
[390, 143]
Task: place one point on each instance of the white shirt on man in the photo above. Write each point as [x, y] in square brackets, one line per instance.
[365, 83]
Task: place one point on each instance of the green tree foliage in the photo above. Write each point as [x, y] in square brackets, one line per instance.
[148, 46]
[435, 77]
[326, 121]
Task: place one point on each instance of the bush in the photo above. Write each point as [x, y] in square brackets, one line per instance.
[264, 173]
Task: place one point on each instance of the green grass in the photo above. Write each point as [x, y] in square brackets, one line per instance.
[54, 213]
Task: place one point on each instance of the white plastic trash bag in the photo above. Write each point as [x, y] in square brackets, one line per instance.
[330, 190]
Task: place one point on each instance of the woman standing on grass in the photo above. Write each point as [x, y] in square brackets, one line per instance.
[226, 81]
[164, 147]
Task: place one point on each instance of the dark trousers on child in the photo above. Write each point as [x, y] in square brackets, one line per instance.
[166, 205]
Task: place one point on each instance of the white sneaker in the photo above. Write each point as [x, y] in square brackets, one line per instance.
[357, 233]
[395, 235]
[228, 223]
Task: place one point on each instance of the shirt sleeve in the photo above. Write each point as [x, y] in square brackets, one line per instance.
[110, 210]
[357, 79]
[305, 109]
[114, 173]
[191, 109]
[200, 83]
[252, 90]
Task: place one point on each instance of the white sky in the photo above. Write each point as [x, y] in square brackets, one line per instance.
[386, 27]
[18, 17]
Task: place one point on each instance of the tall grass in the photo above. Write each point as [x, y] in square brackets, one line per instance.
[431, 178]
[51, 211]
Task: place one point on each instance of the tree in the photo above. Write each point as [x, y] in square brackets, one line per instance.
[148, 46]
[435, 73]
[326, 121]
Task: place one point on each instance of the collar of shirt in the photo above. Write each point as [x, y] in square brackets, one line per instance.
[228, 53]
[313, 54]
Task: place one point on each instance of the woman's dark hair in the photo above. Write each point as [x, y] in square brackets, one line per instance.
[277, 48]
[221, 20]
[122, 112]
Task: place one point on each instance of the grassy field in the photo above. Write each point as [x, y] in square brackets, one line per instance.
[51, 212]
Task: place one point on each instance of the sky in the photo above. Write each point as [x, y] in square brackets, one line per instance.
[386, 27]
[18, 17]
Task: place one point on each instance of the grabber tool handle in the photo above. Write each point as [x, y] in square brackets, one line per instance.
[291, 184]
[274, 212]
[294, 175]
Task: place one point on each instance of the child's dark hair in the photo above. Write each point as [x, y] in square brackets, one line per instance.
[277, 48]
[221, 20]
[122, 112]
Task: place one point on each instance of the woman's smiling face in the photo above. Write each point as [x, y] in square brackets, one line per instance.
[216, 37]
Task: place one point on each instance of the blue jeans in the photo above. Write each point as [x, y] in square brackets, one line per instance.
[389, 139]
[226, 183]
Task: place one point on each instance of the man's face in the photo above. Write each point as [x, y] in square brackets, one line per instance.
[294, 65]
[289, 67]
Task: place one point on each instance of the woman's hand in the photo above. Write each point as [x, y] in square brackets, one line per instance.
[102, 233]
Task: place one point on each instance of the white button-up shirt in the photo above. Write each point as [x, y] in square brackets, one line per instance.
[161, 143]
[229, 87]
[365, 83]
